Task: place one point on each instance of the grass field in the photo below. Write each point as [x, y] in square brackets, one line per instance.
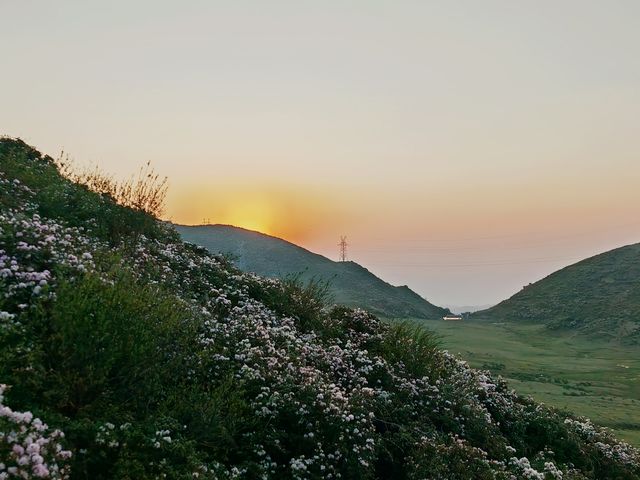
[595, 379]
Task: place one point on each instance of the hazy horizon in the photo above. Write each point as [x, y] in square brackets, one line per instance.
[466, 149]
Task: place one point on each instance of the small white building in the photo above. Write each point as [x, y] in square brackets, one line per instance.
[451, 317]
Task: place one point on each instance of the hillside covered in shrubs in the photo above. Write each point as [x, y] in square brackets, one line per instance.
[598, 296]
[348, 283]
[127, 353]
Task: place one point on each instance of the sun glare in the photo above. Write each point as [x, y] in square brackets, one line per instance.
[253, 214]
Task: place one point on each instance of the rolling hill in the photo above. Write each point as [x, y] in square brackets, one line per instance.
[599, 296]
[350, 283]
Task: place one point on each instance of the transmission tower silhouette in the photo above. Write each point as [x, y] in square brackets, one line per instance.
[343, 248]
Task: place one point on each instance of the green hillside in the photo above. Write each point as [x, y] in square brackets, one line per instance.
[126, 353]
[598, 296]
[349, 283]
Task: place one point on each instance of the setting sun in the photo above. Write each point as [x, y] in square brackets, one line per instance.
[255, 213]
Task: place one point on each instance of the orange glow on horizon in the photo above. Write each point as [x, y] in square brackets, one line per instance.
[251, 213]
[292, 214]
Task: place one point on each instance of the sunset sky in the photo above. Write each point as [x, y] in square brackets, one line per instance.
[465, 148]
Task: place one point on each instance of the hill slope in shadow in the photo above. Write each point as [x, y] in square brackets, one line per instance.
[598, 296]
[350, 283]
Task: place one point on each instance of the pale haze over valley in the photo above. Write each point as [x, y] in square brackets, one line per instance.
[444, 139]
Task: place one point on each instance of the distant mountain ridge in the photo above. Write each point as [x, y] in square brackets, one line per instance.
[599, 296]
[350, 283]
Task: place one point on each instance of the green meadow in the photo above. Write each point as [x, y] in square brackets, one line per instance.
[595, 379]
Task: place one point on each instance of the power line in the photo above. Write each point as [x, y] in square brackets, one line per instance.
[421, 243]
[483, 264]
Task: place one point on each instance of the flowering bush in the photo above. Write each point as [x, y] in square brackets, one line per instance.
[160, 360]
[28, 448]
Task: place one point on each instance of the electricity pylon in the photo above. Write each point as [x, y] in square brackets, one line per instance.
[343, 248]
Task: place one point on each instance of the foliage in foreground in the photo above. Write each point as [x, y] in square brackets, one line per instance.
[159, 360]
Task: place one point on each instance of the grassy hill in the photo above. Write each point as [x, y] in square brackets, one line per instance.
[349, 283]
[599, 296]
[127, 353]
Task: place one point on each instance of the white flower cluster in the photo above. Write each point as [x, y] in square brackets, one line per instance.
[162, 436]
[33, 450]
[605, 443]
[524, 470]
[30, 249]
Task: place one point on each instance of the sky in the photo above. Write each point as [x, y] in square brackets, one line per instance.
[464, 148]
